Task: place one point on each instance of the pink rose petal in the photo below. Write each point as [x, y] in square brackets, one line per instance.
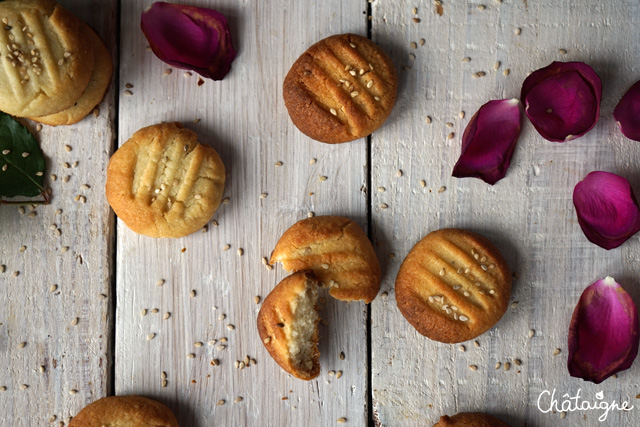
[489, 140]
[607, 209]
[562, 100]
[627, 113]
[603, 334]
[191, 38]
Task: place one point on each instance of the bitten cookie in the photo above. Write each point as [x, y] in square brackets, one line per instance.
[288, 325]
[453, 285]
[470, 419]
[339, 253]
[342, 88]
[125, 411]
[95, 90]
[46, 60]
[163, 183]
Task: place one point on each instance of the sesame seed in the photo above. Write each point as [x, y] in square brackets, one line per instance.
[226, 247]
[563, 415]
[416, 20]
[518, 31]
[481, 7]
[278, 164]
[370, 84]
[15, 274]
[556, 351]
[338, 374]
[427, 120]
[384, 206]
[128, 92]
[25, 154]
[442, 190]
[442, 272]
[341, 355]
[325, 266]
[143, 312]
[399, 173]
[75, 321]
[24, 386]
[67, 148]
[164, 383]
[462, 348]
[473, 368]
[352, 45]
[532, 333]
[413, 45]
[220, 402]
[167, 315]
[187, 74]
[466, 59]
[240, 251]
[22, 249]
[507, 366]
[73, 391]
[256, 299]
[267, 340]
[514, 304]
[322, 178]
[412, 57]
[355, 93]
[517, 362]
[103, 296]
[377, 98]
[237, 399]
[166, 72]
[154, 311]
[221, 347]
[151, 336]
[333, 111]
[191, 356]
[264, 195]
[352, 72]
[449, 125]
[192, 293]
[230, 327]
[22, 345]
[496, 65]
[506, 72]
[66, 178]
[498, 365]
[5, 152]
[478, 74]
[215, 362]
[3, 268]
[463, 318]
[562, 51]
[476, 343]
[341, 420]
[312, 161]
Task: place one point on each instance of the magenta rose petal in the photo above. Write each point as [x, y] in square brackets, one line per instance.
[603, 334]
[627, 113]
[489, 140]
[607, 209]
[190, 38]
[562, 100]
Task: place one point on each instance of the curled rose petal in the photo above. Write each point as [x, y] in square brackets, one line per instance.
[607, 209]
[603, 334]
[489, 140]
[191, 38]
[627, 113]
[562, 100]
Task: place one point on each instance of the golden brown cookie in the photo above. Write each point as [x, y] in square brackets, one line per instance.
[342, 88]
[163, 183]
[339, 253]
[125, 411]
[46, 61]
[93, 94]
[288, 325]
[453, 285]
[470, 419]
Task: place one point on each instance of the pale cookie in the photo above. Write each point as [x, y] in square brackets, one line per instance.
[125, 411]
[342, 88]
[470, 419]
[339, 253]
[46, 60]
[453, 285]
[288, 325]
[93, 94]
[163, 183]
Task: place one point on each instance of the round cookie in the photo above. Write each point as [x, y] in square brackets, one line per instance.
[453, 285]
[163, 183]
[288, 325]
[342, 88]
[46, 60]
[339, 253]
[95, 90]
[125, 411]
[470, 419]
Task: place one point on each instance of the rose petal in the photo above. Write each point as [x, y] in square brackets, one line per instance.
[627, 113]
[603, 334]
[607, 209]
[489, 140]
[191, 38]
[562, 100]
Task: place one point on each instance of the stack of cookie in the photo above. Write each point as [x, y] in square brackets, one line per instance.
[55, 69]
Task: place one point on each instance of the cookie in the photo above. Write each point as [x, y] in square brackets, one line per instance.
[125, 411]
[163, 183]
[288, 325]
[470, 419]
[453, 285]
[47, 62]
[342, 88]
[339, 253]
[95, 90]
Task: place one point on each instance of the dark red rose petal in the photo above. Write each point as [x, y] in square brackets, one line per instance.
[627, 113]
[489, 140]
[607, 209]
[603, 334]
[191, 38]
[562, 100]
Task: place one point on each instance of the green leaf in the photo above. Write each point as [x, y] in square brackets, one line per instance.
[22, 163]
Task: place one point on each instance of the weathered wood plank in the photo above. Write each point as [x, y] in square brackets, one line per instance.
[74, 357]
[529, 214]
[244, 118]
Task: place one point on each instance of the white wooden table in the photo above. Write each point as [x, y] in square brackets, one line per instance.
[101, 273]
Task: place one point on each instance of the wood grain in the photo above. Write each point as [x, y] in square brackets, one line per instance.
[243, 117]
[74, 357]
[529, 214]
